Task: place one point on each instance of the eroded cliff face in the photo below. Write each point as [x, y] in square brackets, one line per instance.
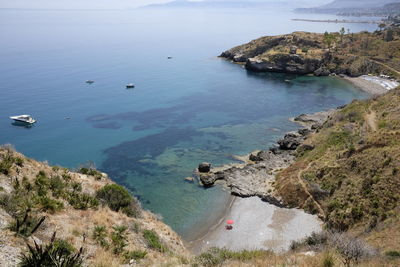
[312, 53]
[70, 205]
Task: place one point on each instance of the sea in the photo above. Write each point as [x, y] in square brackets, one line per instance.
[186, 109]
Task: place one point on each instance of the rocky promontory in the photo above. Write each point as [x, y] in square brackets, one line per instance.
[318, 54]
[256, 176]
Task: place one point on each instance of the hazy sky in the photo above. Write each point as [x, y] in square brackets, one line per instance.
[118, 4]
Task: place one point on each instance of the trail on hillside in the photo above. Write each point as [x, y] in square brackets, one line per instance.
[304, 186]
[370, 119]
[386, 66]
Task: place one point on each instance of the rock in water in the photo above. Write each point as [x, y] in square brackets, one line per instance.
[290, 142]
[204, 167]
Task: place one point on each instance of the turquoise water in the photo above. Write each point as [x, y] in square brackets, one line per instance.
[191, 108]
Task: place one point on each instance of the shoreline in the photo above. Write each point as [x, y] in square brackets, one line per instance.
[372, 85]
[261, 220]
[257, 225]
[368, 86]
[214, 235]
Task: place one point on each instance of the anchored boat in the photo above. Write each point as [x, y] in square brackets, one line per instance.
[23, 118]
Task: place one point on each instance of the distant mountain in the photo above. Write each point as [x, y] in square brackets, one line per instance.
[352, 7]
[234, 4]
[358, 3]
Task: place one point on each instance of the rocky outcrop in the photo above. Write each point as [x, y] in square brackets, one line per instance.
[257, 177]
[306, 53]
[290, 142]
[285, 63]
[204, 167]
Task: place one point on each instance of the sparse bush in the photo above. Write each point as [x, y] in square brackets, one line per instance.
[352, 250]
[91, 171]
[393, 254]
[26, 224]
[57, 186]
[42, 183]
[58, 253]
[212, 257]
[19, 161]
[119, 239]
[7, 161]
[82, 201]
[100, 236]
[153, 240]
[134, 255]
[328, 260]
[217, 256]
[50, 205]
[118, 198]
[314, 241]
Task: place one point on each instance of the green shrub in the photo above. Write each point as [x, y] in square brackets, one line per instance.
[26, 224]
[42, 183]
[50, 205]
[392, 254]
[134, 255]
[328, 260]
[217, 256]
[100, 236]
[119, 239]
[212, 257]
[91, 171]
[19, 161]
[118, 198]
[7, 162]
[82, 201]
[153, 240]
[58, 253]
[57, 186]
[76, 187]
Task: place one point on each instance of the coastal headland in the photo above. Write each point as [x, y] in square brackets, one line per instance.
[260, 182]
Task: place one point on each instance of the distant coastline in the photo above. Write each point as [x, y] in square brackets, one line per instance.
[340, 21]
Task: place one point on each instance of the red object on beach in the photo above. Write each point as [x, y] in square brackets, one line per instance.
[229, 221]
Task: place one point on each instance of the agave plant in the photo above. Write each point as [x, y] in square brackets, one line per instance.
[57, 253]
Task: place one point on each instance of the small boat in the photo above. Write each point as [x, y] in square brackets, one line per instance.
[130, 86]
[89, 81]
[169, 57]
[24, 118]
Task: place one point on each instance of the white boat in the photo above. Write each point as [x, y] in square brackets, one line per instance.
[23, 118]
[130, 86]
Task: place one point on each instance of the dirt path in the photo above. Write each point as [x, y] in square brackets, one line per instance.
[370, 119]
[304, 186]
[386, 66]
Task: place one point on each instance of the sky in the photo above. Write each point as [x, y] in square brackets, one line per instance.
[109, 4]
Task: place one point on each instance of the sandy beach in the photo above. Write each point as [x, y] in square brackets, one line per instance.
[372, 84]
[258, 225]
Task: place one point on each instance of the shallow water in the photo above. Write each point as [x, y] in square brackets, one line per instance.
[191, 108]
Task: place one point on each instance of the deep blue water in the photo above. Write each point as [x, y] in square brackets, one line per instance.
[191, 108]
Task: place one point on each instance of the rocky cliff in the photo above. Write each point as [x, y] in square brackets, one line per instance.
[321, 54]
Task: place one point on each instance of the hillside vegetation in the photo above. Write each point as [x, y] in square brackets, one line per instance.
[353, 171]
[78, 217]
